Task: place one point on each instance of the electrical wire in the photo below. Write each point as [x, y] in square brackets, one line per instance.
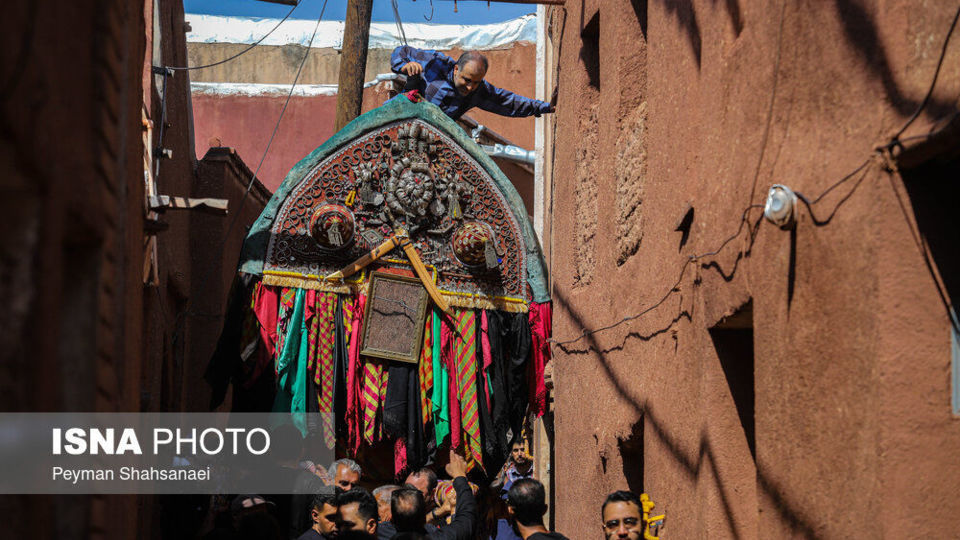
[933, 83]
[744, 217]
[253, 180]
[946, 120]
[430, 18]
[254, 44]
[396, 18]
[839, 182]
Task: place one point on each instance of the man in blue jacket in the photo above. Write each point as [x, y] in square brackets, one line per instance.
[458, 86]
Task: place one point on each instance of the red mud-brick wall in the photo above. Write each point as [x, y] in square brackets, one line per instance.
[673, 110]
[71, 204]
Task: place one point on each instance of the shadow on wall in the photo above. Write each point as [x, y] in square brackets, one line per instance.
[733, 342]
[933, 191]
[631, 454]
[789, 512]
[860, 31]
[590, 50]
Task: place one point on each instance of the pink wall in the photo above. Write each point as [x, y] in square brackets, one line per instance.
[245, 123]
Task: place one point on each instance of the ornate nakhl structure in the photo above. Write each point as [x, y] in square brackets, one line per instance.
[393, 282]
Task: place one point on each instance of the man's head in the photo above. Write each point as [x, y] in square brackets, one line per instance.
[357, 511]
[323, 513]
[425, 480]
[408, 509]
[518, 452]
[345, 473]
[621, 516]
[469, 72]
[382, 494]
[527, 502]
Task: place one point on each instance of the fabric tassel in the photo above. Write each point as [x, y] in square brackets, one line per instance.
[399, 457]
[487, 358]
[448, 359]
[354, 377]
[540, 319]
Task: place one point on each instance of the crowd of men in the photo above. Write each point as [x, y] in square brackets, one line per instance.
[424, 507]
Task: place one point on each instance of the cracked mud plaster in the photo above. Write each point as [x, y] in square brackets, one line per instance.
[631, 174]
[586, 198]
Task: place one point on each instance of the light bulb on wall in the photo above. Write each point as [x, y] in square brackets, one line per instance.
[781, 207]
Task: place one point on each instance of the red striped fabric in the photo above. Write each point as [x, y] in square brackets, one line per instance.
[465, 346]
[326, 329]
[426, 371]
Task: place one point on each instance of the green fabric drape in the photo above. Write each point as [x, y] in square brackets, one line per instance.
[292, 366]
[441, 387]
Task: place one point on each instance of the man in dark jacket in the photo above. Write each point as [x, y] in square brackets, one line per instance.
[457, 86]
[323, 513]
[409, 510]
[527, 503]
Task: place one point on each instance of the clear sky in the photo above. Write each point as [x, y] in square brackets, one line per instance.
[411, 11]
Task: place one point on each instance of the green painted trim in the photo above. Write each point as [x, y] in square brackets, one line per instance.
[255, 245]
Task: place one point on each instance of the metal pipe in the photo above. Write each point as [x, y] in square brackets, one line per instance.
[510, 152]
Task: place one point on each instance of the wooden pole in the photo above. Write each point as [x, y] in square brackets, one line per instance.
[353, 61]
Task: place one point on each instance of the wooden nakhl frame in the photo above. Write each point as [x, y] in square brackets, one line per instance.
[394, 318]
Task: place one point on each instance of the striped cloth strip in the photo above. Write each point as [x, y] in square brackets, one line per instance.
[370, 397]
[465, 346]
[426, 371]
[326, 329]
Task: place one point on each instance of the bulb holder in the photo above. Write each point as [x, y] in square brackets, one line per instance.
[781, 207]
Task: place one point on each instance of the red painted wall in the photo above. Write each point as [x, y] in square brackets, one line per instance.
[245, 123]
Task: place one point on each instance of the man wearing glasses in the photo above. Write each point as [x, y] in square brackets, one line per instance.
[621, 516]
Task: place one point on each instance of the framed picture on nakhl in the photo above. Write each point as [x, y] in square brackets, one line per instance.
[395, 316]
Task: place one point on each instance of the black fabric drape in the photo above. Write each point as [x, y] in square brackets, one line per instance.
[225, 363]
[340, 358]
[416, 441]
[510, 347]
[395, 406]
[494, 453]
[401, 411]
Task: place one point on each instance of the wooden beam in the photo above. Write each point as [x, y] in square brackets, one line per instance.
[353, 61]
[161, 203]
